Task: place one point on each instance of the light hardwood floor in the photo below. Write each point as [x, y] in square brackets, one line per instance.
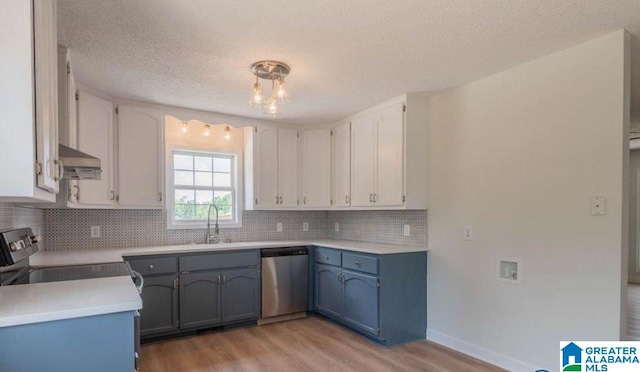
[633, 312]
[309, 344]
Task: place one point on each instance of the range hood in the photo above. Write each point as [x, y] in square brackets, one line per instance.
[78, 165]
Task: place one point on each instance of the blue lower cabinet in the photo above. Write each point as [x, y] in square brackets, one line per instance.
[240, 295]
[361, 301]
[159, 312]
[383, 297]
[101, 343]
[329, 297]
[200, 303]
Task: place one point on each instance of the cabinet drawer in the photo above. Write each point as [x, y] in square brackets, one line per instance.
[360, 262]
[218, 261]
[327, 256]
[151, 266]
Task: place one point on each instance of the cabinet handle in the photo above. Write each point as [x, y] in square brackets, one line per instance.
[326, 258]
[281, 200]
[346, 199]
[371, 198]
[219, 280]
[357, 263]
[60, 169]
[77, 192]
[224, 279]
[277, 200]
[113, 195]
[151, 267]
[375, 198]
[159, 196]
[304, 200]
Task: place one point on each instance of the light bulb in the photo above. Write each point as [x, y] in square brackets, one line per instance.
[273, 107]
[281, 92]
[206, 130]
[184, 127]
[256, 98]
[227, 133]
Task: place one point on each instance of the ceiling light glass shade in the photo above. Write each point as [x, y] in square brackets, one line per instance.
[276, 72]
[184, 127]
[227, 133]
[207, 132]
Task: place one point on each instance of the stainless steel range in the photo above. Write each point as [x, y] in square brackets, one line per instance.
[17, 245]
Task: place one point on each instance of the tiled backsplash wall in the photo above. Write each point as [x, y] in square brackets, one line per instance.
[71, 228]
[12, 217]
[379, 226]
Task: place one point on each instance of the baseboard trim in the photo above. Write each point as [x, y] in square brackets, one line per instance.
[479, 352]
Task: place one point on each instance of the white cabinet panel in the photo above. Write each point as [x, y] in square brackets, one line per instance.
[363, 161]
[316, 168]
[140, 145]
[46, 94]
[266, 167]
[390, 161]
[288, 167]
[95, 137]
[341, 160]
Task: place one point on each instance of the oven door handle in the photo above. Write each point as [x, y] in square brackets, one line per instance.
[141, 281]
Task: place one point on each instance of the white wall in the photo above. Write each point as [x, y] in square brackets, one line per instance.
[634, 173]
[518, 155]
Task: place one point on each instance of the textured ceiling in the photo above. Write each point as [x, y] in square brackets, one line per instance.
[345, 55]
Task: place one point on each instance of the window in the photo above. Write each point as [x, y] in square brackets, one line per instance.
[200, 179]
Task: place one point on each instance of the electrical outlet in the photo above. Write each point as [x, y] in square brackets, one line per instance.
[407, 230]
[279, 227]
[468, 233]
[336, 226]
[95, 231]
[305, 226]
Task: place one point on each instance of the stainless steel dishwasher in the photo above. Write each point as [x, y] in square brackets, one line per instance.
[285, 281]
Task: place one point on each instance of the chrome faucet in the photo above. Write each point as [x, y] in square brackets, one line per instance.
[216, 227]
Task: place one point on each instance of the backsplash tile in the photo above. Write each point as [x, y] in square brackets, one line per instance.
[379, 226]
[12, 217]
[71, 228]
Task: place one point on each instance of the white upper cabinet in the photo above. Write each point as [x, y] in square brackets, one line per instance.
[288, 168]
[28, 72]
[316, 168]
[389, 189]
[363, 161]
[266, 167]
[271, 168]
[388, 156]
[95, 137]
[140, 154]
[341, 165]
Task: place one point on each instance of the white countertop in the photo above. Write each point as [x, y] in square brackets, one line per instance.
[43, 302]
[94, 256]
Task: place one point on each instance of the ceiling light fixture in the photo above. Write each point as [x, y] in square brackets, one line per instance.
[227, 132]
[206, 130]
[184, 126]
[276, 72]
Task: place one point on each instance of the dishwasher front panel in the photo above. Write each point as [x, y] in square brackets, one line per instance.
[285, 281]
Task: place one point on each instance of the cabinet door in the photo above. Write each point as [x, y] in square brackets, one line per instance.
[266, 158]
[363, 157]
[140, 144]
[390, 157]
[95, 137]
[316, 168]
[46, 94]
[361, 301]
[288, 168]
[240, 295]
[341, 161]
[328, 293]
[159, 312]
[200, 299]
